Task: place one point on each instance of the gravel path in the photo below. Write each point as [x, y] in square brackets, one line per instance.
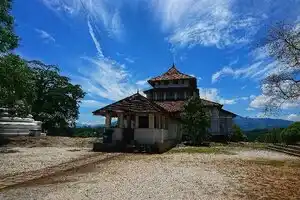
[28, 159]
[166, 176]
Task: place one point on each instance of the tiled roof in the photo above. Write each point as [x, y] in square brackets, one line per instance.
[171, 106]
[134, 103]
[171, 74]
[177, 106]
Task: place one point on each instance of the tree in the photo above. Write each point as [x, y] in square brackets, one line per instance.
[57, 100]
[237, 134]
[16, 85]
[291, 135]
[8, 39]
[283, 44]
[195, 120]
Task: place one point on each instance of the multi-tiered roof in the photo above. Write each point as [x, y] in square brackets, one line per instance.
[140, 104]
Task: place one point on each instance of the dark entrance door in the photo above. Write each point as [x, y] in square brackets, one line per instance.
[128, 133]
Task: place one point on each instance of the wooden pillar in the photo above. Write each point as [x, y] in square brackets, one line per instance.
[107, 120]
[151, 121]
[163, 122]
[136, 121]
[121, 120]
[158, 118]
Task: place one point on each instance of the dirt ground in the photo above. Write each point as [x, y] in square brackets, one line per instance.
[50, 141]
[241, 173]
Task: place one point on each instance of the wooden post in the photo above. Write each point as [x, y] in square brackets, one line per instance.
[107, 120]
[151, 121]
[121, 120]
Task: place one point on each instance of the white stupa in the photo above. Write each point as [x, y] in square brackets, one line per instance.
[13, 126]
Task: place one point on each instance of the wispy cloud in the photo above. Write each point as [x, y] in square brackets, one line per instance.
[91, 104]
[104, 11]
[219, 23]
[103, 77]
[47, 37]
[204, 22]
[129, 60]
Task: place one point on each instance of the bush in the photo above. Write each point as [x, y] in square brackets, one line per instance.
[291, 135]
[237, 134]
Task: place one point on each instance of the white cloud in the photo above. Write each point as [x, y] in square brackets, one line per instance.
[250, 71]
[142, 82]
[212, 94]
[250, 109]
[262, 100]
[204, 22]
[293, 117]
[47, 37]
[105, 11]
[91, 104]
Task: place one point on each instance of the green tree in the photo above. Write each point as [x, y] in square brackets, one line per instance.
[291, 135]
[8, 39]
[195, 120]
[57, 100]
[237, 134]
[16, 85]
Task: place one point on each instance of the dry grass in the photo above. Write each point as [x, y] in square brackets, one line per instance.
[263, 178]
[206, 150]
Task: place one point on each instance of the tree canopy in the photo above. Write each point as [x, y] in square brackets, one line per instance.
[195, 120]
[8, 39]
[57, 100]
[291, 135]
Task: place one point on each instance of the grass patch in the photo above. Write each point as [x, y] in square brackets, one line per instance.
[208, 150]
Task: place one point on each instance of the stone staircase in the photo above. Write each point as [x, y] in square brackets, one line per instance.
[288, 149]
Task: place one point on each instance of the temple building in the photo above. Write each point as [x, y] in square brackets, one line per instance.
[156, 117]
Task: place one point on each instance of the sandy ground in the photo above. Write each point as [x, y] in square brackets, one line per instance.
[21, 159]
[249, 174]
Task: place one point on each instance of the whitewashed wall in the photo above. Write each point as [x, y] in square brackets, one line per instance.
[150, 135]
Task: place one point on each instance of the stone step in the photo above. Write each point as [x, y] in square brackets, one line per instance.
[283, 151]
[286, 148]
[294, 146]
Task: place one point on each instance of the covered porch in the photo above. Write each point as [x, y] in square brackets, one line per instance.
[139, 121]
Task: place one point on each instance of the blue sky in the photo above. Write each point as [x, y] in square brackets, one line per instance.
[111, 47]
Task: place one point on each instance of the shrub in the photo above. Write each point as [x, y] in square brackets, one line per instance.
[237, 134]
[291, 134]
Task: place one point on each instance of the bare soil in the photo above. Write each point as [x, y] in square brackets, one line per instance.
[241, 174]
[50, 141]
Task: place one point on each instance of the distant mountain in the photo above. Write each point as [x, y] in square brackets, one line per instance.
[247, 124]
[79, 125]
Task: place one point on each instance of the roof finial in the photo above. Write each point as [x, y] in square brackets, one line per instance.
[138, 91]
